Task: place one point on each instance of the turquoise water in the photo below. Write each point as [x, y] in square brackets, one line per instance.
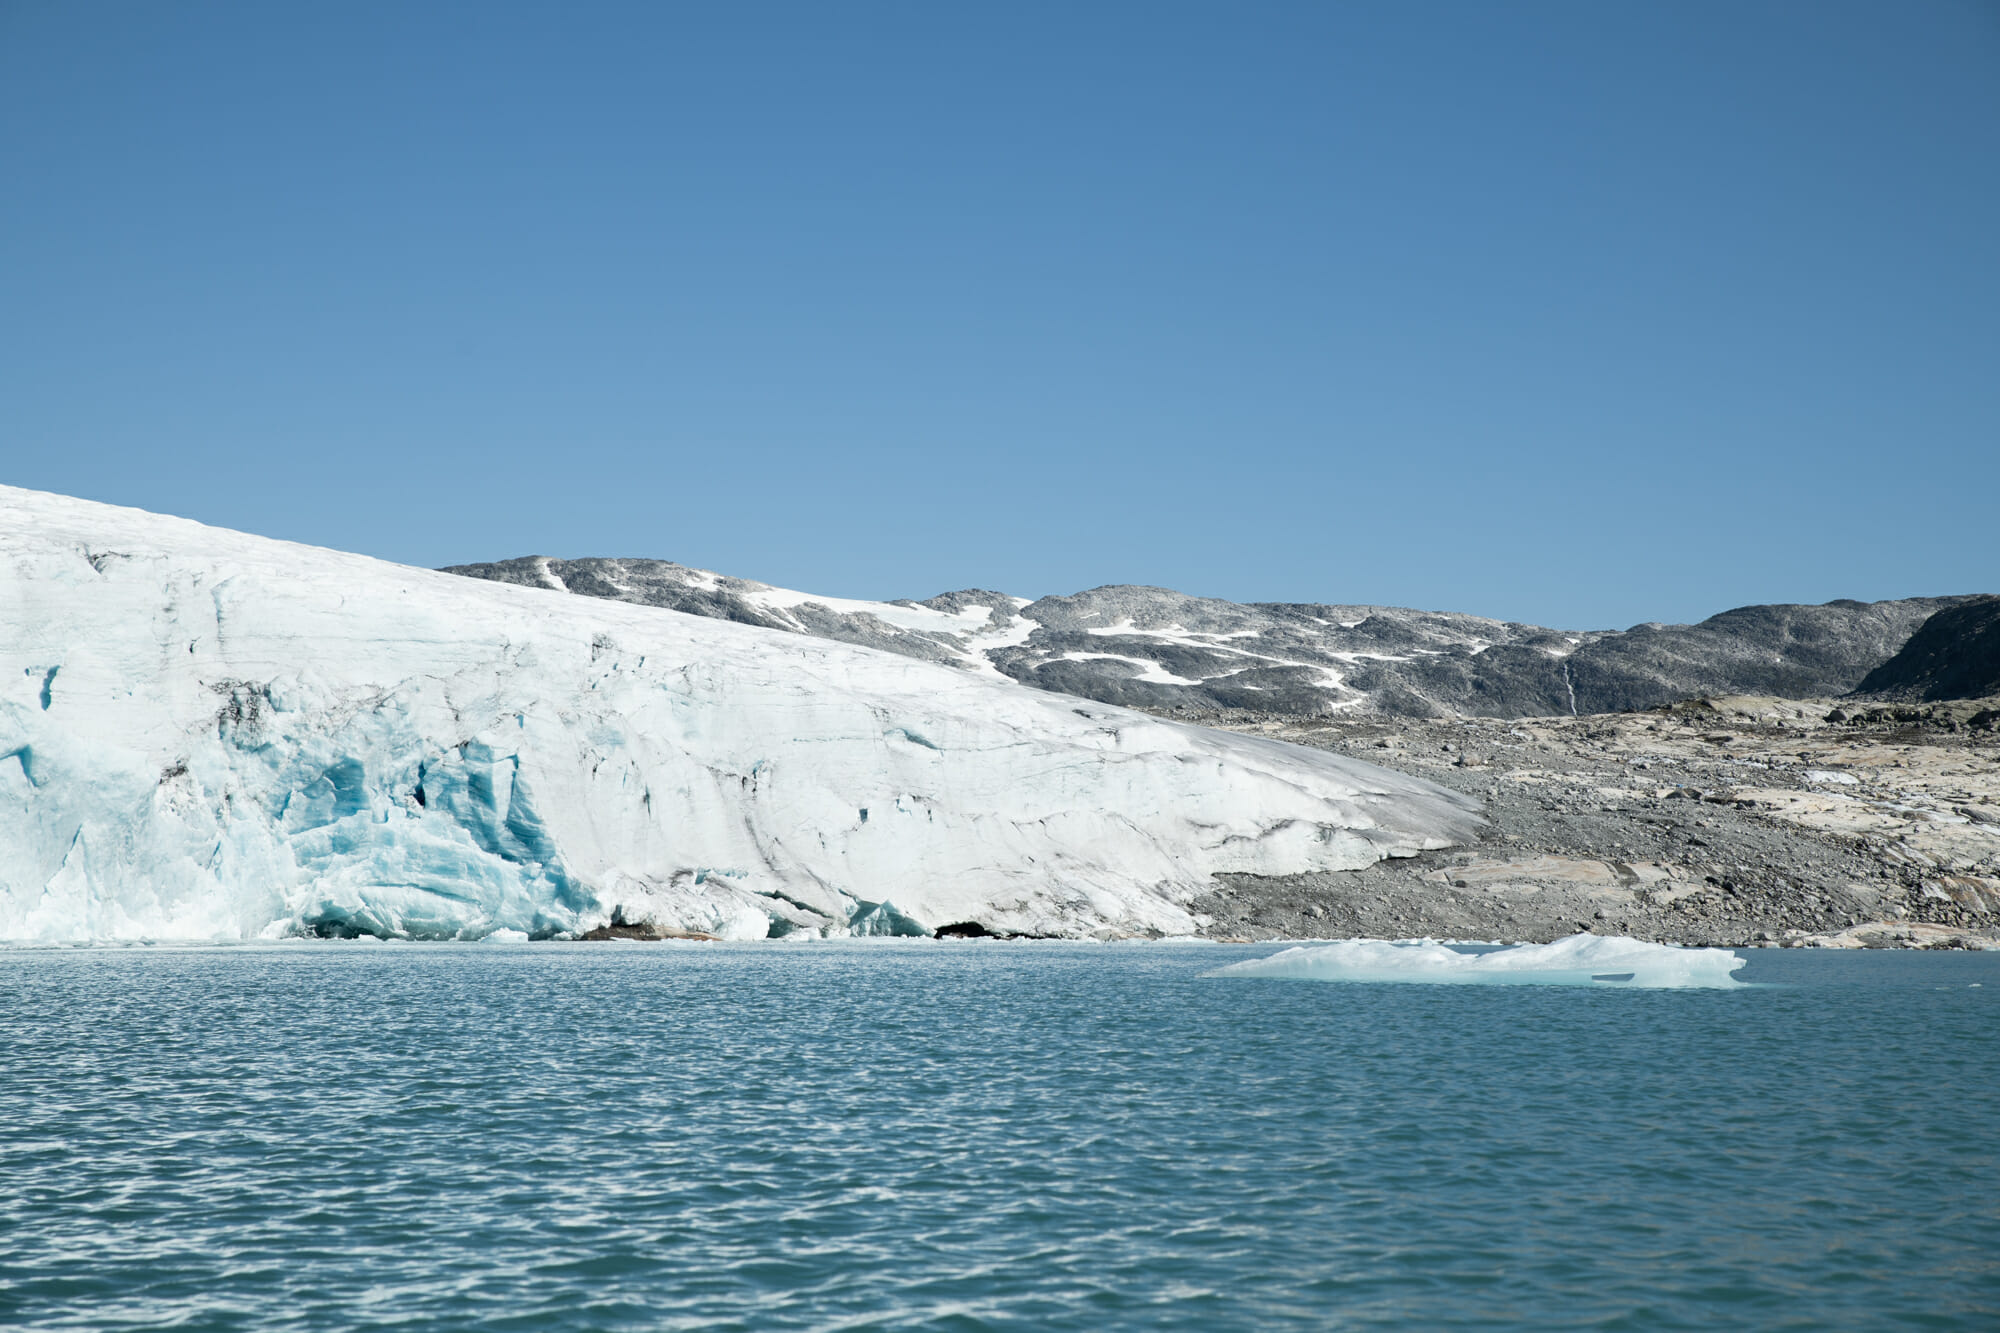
[968, 1135]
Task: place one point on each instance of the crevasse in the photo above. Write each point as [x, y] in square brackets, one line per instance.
[210, 735]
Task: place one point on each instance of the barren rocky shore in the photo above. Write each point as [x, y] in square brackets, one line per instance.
[1738, 820]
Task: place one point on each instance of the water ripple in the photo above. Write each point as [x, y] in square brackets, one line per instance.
[964, 1136]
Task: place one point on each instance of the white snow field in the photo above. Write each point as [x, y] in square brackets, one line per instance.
[1578, 960]
[209, 735]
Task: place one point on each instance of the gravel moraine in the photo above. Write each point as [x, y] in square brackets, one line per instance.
[1735, 821]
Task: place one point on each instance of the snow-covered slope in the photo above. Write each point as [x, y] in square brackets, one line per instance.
[1156, 648]
[209, 734]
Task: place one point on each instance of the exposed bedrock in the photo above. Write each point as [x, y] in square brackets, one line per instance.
[1733, 821]
[1198, 657]
[1953, 655]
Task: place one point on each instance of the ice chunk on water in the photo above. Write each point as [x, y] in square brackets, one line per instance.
[744, 922]
[1579, 960]
[884, 919]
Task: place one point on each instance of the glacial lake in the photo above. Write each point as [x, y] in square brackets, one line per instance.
[887, 1134]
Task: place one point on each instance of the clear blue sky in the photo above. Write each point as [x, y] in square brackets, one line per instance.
[1579, 313]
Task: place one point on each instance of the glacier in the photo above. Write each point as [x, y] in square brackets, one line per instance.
[1615, 961]
[208, 735]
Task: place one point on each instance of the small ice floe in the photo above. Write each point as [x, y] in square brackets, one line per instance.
[505, 936]
[1605, 961]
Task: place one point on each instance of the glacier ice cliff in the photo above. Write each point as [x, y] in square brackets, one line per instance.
[210, 735]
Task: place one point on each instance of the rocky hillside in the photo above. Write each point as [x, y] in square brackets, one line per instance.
[1953, 655]
[1730, 821]
[1159, 649]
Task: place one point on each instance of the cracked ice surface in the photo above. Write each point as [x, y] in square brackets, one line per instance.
[213, 735]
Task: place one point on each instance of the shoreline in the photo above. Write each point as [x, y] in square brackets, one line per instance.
[1736, 822]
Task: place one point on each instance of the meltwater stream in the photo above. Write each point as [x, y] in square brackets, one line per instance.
[885, 1134]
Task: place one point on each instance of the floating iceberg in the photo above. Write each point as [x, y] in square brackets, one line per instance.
[209, 735]
[1579, 960]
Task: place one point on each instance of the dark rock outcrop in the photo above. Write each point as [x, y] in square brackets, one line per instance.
[1953, 655]
[1160, 649]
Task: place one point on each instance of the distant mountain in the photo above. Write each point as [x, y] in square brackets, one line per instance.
[1155, 648]
[1953, 655]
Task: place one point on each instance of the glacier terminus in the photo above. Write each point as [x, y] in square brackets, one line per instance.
[206, 735]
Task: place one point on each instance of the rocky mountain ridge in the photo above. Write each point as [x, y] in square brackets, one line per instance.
[1953, 655]
[1162, 650]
